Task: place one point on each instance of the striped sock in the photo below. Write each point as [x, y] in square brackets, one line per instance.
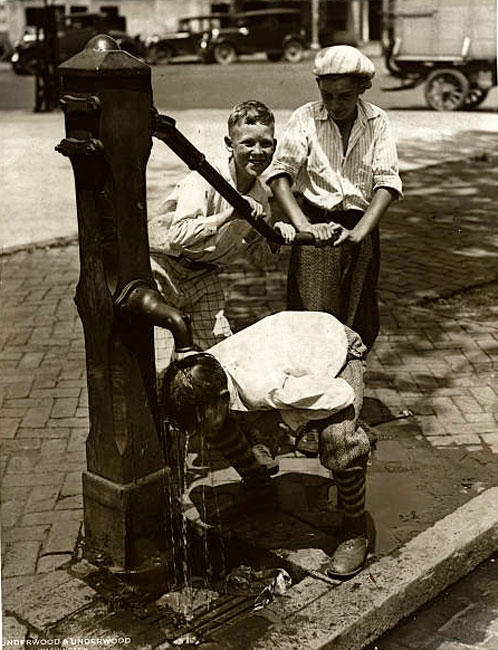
[231, 442]
[351, 486]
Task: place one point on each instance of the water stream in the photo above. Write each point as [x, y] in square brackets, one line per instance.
[194, 576]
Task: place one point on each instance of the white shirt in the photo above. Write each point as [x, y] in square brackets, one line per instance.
[183, 224]
[288, 361]
[311, 154]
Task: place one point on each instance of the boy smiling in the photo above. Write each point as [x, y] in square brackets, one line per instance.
[195, 233]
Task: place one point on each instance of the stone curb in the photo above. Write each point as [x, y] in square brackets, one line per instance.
[348, 617]
[56, 242]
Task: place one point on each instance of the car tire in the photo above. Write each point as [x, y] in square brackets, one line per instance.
[159, 55]
[293, 52]
[224, 53]
[446, 90]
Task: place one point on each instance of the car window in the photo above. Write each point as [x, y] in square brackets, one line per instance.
[289, 20]
[199, 24]
[274, 20]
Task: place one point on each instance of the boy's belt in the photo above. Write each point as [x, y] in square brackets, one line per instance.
[346, 218]
[193, 265]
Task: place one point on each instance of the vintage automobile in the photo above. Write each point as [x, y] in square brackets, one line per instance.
[161, 48]
[73, 32]
[277, 32]
[448, 46]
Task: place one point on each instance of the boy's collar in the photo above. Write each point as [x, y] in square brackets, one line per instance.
[366, 111]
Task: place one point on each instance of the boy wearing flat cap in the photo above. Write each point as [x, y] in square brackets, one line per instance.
[334, 173]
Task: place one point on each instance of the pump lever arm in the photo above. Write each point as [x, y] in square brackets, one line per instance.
[165, 130]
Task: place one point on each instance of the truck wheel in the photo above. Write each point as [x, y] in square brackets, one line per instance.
[446, 90]
[293, 52]
[475, 97]
[224, 53]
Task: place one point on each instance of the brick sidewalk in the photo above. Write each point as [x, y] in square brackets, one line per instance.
[442, 371]
[44, 418]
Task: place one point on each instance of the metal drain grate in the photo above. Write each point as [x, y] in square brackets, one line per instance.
[225, 611]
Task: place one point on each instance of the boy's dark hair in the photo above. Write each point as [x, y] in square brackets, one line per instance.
[364, 81]
[250, 112]
[188, 387]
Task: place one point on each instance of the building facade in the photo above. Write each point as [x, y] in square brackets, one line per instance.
[350, 20]
[143, 17]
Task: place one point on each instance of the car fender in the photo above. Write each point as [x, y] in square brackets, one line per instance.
[295, 37]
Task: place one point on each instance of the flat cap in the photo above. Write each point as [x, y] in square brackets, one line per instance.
[342, 59]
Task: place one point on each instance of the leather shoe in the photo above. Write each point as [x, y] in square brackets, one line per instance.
[265, 458]
[348, 558]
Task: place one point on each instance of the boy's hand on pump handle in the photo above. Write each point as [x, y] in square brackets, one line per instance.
[345, 236]
[324, 233]
[287, 231]
[257, 210]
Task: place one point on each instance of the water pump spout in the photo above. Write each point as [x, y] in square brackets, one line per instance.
[141, 299]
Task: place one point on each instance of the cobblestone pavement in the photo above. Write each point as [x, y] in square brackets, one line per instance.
[437, 374]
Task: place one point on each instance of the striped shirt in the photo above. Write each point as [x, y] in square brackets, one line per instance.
[311, 154]
[183, 224]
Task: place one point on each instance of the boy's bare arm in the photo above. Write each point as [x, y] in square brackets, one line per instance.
[382, 199]
[283, 193]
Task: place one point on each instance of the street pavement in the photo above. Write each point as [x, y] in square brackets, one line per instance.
[431, 382]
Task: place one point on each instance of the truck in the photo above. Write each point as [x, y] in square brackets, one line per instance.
[449, 46]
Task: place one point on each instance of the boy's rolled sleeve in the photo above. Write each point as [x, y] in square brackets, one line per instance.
[385, 159]
[190, 229]
[291, 153]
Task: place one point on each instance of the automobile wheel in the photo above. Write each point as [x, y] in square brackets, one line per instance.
[274, 56]
[475, 97]
[293, 52]
[158, 55]
[224, 53]
[446, 90]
